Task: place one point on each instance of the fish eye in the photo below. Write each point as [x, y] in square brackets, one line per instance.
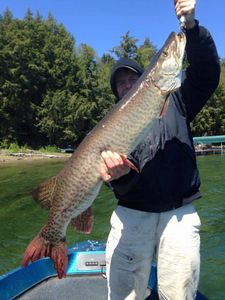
[165, 53]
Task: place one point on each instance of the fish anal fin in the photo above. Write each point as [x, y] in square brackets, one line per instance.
[84, 222]
[42, 194]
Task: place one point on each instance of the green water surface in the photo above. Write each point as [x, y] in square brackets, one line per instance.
[21, 218]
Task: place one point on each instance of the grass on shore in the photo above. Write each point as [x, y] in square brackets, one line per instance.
[15, 148]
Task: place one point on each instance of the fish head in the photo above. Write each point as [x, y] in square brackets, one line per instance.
[167, 64]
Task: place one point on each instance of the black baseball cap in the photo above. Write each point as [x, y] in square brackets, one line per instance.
[120, 64]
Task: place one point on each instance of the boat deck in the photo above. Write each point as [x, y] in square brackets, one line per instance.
[72, 287]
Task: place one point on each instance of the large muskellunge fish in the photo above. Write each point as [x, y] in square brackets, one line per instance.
[69, 195]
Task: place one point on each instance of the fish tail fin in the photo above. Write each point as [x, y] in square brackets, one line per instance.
[39, 248]
[44, 191]
[83, 222]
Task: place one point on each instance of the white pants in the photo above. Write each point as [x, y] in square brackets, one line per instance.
[136, 236]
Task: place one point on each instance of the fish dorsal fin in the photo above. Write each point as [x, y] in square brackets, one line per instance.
[84, 222]
[44, 191]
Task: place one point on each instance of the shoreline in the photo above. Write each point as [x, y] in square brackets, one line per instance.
[29, 157]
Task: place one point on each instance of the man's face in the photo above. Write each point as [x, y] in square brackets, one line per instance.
[125, 79]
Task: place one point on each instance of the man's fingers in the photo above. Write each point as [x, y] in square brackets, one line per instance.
[104, 173]
[114, 166]
[112, 159]
[184, 7]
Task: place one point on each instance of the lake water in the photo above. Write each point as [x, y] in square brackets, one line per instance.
[21, 218]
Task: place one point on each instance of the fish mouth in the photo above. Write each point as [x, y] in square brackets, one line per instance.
[180, 42]
[181, 37]
[181, 34]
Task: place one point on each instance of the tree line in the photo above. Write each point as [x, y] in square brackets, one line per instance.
[52, 91]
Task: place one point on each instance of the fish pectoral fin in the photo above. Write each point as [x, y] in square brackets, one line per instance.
[84, 222]
[129, 163]
[44, 191]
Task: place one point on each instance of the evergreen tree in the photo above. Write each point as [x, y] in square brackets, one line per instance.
[145, 53]
[222, 76]
[105, 98]
[36, 59]
[127, 47]
[211, 120]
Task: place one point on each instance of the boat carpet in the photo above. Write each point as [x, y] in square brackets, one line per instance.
[69, 288]
[82, 287]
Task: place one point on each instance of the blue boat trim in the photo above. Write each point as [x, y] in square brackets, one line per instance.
[19, 280]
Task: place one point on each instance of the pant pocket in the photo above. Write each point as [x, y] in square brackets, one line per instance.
[122, 273]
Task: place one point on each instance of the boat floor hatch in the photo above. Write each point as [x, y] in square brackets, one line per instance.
[72, 287]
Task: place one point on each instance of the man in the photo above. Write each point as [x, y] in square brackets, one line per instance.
[155, 214]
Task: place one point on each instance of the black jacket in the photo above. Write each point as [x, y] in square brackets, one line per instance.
[166, 157]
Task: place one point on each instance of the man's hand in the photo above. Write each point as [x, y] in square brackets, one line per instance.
[186, 8]
[113, 166]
